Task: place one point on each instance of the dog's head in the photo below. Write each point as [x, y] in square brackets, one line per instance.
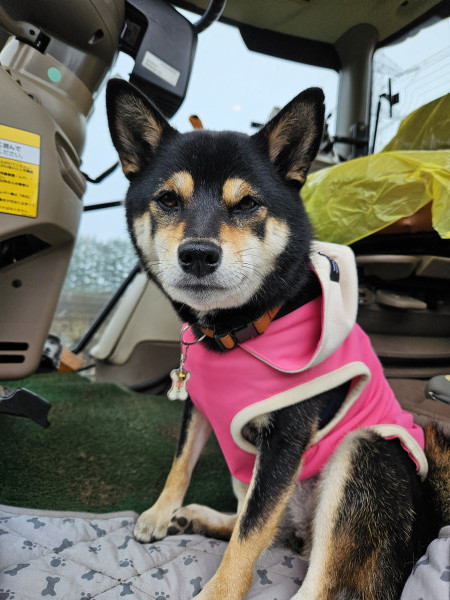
[216, 217]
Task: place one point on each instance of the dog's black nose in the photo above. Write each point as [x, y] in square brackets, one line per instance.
[199, 258]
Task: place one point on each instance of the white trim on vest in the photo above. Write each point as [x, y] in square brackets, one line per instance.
[301, 393]
[340, 299]
[391, 430]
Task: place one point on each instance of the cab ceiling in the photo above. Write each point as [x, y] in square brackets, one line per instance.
[323, 20]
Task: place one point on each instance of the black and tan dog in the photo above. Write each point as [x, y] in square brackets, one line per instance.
[218, 224]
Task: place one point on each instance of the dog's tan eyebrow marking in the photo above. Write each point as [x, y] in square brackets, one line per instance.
[181, 183]
[234, 189]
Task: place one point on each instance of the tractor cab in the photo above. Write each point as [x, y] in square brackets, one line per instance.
[379, 184]
[85, 333]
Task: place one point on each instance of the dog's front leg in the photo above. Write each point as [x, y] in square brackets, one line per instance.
[154, 522]
[281, 443]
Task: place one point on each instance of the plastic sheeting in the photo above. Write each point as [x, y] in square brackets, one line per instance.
[352, 200]
[427, 128]
[355, 199]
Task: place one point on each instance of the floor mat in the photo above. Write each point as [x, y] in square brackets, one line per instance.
[107, 449]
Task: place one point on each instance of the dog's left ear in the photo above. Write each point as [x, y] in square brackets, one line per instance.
[293, 136]
[137, 127]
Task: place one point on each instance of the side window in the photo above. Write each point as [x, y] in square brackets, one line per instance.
[419, 71]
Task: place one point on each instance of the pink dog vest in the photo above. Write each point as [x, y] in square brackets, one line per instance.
[286, 365]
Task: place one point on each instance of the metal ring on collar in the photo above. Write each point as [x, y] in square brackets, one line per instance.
[183, 331]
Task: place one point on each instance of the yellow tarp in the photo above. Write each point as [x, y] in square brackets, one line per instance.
[352, 200]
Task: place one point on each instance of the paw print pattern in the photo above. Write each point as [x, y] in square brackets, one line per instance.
[57, 561]
[7, 595]
[95, 549]
[446, 574]
[86, 596]
[189, 559]
[161, 596]
[126, 523]
[126, 562]
[154, 548]
[27, 545]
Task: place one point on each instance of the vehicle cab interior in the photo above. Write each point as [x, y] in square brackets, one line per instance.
[383, 192]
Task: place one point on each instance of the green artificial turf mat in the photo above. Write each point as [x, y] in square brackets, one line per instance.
[107, 449]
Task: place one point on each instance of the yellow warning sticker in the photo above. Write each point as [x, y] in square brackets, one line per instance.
[19, 171]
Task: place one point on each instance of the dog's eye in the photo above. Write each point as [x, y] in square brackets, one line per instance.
[247, 204]
[169, 201]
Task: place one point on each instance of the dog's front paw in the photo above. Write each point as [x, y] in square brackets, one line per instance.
[196, 518]
[152, 524]
[187, 519]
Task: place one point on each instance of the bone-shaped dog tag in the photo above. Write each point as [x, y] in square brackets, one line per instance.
[178, 389]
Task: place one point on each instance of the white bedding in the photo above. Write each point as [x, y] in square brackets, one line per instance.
[80, 556]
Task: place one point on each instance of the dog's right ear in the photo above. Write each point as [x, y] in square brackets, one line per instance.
[136, 126]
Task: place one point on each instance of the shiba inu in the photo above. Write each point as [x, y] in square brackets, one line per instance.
[323, 458]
